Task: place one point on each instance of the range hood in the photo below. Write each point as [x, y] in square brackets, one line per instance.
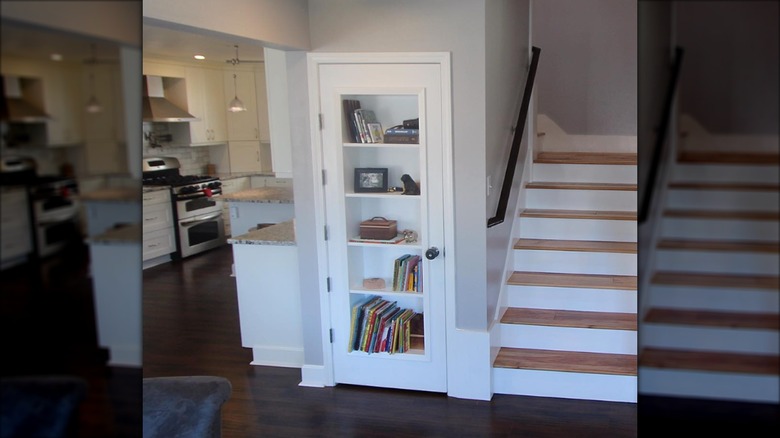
[15, 107]
[157, 108]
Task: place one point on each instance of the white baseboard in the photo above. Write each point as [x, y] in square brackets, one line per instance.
[313, 376]
[277, 357]
[125, 355]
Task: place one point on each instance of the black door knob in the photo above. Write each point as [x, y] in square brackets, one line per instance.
[432, 253]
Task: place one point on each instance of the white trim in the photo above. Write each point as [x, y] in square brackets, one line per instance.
[277, 356]
[313, 376]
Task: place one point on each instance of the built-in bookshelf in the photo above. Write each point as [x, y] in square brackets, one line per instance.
[386, 298]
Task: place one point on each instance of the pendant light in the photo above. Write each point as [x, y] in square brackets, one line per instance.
[93, 104]
[235, 105]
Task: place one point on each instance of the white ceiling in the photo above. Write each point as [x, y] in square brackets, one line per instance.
[183, 45]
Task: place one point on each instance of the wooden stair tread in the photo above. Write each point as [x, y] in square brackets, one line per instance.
[720, 245]
[581, 186]
[717, 214]
[570, 318]
[586, 158]
[592, 281]
[750, 281]
[706, 157]
[580, 214]
[710, 361]
[566, 361]
[577, 245]
[724, 186]
[764, 321]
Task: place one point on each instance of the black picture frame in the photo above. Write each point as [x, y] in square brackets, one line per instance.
[370, 179]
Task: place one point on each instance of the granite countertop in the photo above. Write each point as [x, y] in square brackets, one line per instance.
[113, 194]
[269, 195]
[120, 234]
[224, 176]
[281, 234]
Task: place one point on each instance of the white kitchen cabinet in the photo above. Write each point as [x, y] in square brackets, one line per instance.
[104, 131]
[242, 125]
[205, 100]
[245, 156]
[262, 105]
[396, 89]
[159, 237]
[15, 228]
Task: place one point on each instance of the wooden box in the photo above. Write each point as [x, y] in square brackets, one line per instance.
[378, 228]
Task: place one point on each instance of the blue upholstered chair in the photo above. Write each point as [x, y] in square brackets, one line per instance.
[40, 406]
[184, 406]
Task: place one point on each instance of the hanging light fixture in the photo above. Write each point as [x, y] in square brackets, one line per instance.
[235, 105]
[93, 104]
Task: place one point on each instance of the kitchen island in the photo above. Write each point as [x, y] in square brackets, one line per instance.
[108, 206]
[269, 302]
[115, 255]
[251, 209]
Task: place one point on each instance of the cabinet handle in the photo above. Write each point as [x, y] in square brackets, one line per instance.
[258, 156]
[150, 219]
[153, 245]
[257, 133]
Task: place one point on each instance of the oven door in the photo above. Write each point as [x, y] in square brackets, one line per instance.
[190, 208]
[201, 233]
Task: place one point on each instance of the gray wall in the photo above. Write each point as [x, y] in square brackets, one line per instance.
[587, 82]
[729, 81]
[506, 64]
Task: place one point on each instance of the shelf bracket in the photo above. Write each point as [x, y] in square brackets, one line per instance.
[331, 336]
[324, 177]
[326, 232]
[321, 120]
[328, 283]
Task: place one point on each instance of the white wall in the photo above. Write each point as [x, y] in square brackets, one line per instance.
[587, 80]
[280, 24]
[729, 79]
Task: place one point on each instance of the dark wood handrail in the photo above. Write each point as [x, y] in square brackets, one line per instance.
[509, 175]
[660, 139]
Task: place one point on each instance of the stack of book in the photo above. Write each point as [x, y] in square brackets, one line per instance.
[399, 134]
[380, 326]
[362, 123]
[407, 274]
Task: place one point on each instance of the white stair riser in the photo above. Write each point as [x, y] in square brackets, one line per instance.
[581, 386]
[578, 229]
[713, 299]
[713, 385]
[721, 229]
[725, 173]
[569, 298]
[705, 338]
[569, 339]
[575, 262]
[581, 199]
[721, 200]
[589, 173]
[718, 262]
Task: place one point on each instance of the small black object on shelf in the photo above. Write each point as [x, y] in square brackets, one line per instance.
[410, 187]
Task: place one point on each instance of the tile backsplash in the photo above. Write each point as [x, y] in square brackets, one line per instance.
[193, 160]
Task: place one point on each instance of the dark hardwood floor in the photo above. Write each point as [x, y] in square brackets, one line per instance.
[191, 327]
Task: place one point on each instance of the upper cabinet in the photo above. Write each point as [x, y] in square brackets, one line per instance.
[205, 98]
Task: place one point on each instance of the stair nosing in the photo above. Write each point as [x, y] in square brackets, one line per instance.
[713, 319]
[543, 185]
[570, 318]
[703, 279]
[600, 246]
[575, 280]
[580, 214]
[723, 215]
[713, 361]
[736, 186]
[572, 366]
[599, 158]
[730, 158]
[719, 245]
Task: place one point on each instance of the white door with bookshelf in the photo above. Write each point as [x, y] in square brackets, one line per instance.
[386, 305]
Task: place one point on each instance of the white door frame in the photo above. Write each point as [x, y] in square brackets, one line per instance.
[314, 62]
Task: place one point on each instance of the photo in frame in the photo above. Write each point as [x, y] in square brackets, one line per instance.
[370, 179]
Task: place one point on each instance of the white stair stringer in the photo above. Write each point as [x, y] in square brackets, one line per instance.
[583, 214]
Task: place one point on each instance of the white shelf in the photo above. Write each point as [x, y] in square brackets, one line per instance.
[387, 293]
[382, 145]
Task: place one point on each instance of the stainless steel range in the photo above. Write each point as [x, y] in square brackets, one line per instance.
[197, 206]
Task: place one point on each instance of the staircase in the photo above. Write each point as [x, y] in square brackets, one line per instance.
[570, 326]
[712, 324]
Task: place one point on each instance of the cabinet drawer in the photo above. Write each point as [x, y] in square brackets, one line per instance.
[156, 197]
[158, 243]
[235, 184]
[157, 216]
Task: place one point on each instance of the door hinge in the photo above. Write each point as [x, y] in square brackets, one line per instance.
[331, 336]
[327, 281]
[321, 120]
[326, 231]
[324, 177]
